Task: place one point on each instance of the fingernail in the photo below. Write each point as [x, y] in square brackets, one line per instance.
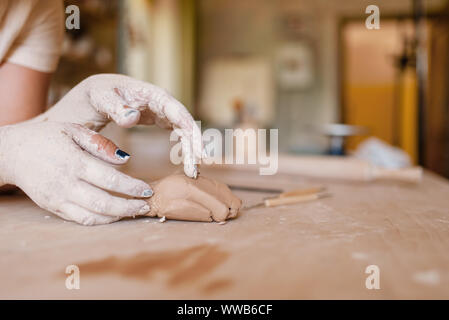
[147, 193]
[130, 113]
[145, 209]
[121, 154]
[196, 172]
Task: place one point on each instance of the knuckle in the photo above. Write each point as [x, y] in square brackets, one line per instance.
[134, 187]
[100, 205]
[88, 220]
[137, 187]
[113, 180]
[105, 144]
[78, 169]
[131, 207]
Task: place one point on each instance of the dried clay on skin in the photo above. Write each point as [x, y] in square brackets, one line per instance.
[128, 102]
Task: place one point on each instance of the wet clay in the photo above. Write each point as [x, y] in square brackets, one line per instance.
[217, 285]
[183, 266]
[202, 199]
[103, 144]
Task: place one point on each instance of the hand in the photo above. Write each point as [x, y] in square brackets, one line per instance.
[128, 102]
[178, 197]
[62, 168]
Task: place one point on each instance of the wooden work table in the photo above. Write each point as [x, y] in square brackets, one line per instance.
[318, 249]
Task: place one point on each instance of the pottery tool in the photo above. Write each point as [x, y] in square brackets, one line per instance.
[286, 200]
[299, 192]
[280, 192]
[334, 167]
[254, 189]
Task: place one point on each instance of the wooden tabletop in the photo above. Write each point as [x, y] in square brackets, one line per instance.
[318, 249]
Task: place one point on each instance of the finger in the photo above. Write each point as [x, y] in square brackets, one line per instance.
[99, 201]
[189, 161]
[110, 102]
[97, 145]
[192, 148]
[108, 178]
[182, 209]
[163, 123]
[73, 212]
[168, 112]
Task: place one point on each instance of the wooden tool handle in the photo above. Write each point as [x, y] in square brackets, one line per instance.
[290, 200]
[411, 175]
[345, 168]
[300, 192]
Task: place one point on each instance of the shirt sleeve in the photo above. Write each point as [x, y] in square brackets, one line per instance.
[39, 44]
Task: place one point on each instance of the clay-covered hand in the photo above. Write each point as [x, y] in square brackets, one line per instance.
[128, 102]
[63, 168]
[178, 197]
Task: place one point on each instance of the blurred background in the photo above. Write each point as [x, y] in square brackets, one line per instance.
[310, 68]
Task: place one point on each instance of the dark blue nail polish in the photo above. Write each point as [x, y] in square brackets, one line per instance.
[130, 113]
[121, 154]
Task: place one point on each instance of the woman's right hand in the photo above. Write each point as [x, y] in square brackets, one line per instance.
[128, 102]
[63, 168]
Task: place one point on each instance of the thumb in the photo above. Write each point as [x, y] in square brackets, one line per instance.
[97, 145]
[113, 105]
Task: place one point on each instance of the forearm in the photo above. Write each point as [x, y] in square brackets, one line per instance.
[4, 172]
[17, 104]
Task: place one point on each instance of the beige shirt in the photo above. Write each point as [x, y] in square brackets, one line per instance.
[31, 33]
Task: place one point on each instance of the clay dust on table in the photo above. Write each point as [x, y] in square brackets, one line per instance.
[183, 266]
